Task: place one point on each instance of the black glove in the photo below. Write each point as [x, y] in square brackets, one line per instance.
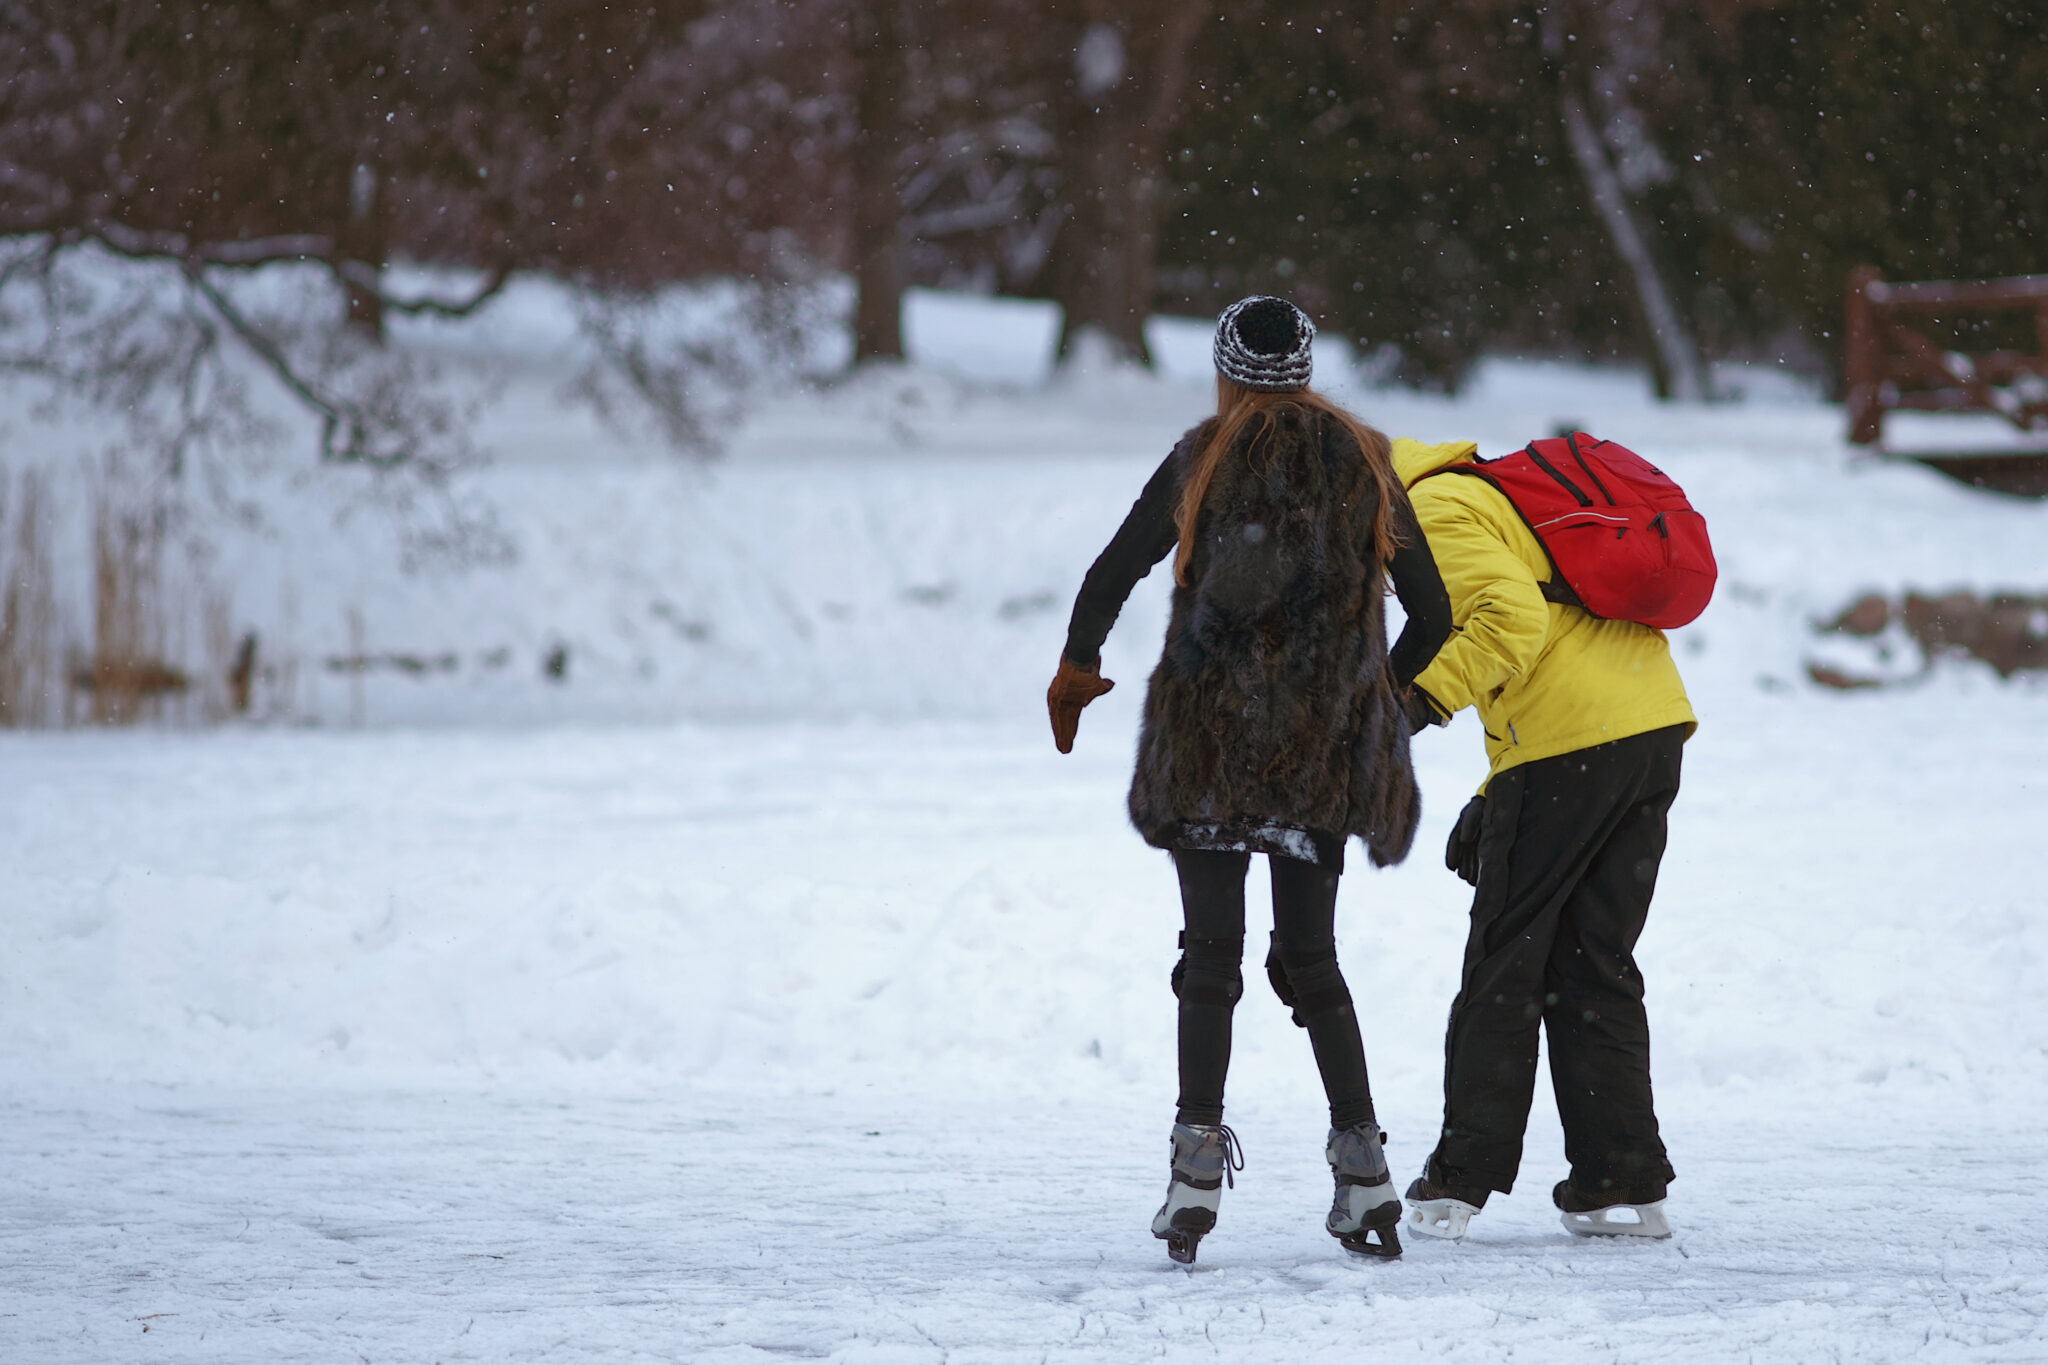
[1461, 854]
[1422, 711]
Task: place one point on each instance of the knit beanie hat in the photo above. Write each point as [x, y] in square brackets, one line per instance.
[1263, 343]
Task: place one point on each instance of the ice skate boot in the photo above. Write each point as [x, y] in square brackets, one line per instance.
[1204, 1155]
[1442, 1209]
[1365, 1211]
[1613, 1213]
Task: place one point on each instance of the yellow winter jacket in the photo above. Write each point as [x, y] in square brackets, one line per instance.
[1546, 679]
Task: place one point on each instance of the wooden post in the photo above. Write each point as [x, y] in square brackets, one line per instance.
[1862, 359]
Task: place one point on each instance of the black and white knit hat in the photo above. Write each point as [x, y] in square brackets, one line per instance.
[1263, 343]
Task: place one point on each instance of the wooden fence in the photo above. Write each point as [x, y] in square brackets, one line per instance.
[1892, 364]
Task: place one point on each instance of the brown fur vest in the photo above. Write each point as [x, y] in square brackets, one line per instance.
[1272, 701]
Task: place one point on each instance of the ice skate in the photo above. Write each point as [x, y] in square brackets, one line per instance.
[1441, 1211]
[1609, 1215]
[1364, 1212]
[1204, 1155]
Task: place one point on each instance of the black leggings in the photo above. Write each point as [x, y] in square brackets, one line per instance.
[1304, 913]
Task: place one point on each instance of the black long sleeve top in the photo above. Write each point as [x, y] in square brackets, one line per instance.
[1148, 535]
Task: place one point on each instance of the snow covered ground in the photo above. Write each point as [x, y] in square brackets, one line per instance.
[787, 995]
[853, 1043]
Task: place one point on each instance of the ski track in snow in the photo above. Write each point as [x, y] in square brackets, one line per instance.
[853, 1043]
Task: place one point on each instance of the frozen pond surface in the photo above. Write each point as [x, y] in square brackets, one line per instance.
[751, 1225]
[854, 1043]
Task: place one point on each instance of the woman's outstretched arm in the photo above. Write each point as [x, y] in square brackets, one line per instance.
[1146, 537]
[1421, 590]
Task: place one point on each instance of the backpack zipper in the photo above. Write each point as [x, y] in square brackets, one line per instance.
[1572, 443]
[1550, 469]
[1574, 516]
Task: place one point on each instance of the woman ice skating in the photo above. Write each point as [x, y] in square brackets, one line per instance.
[1274, 723]
[1584, 718]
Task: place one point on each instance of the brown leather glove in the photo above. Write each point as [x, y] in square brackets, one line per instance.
[1073, 687]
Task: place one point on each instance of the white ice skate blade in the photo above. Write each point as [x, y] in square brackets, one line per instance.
[1620, 1220]
[1442, 1218]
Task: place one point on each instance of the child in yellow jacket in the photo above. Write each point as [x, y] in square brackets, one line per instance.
[1585, 719]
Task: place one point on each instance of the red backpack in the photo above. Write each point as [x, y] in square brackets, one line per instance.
[1626, 544]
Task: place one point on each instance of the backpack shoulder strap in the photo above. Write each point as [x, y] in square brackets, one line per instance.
[1554, 589]
[1464, 467]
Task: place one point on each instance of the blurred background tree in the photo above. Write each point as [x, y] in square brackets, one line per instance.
[1407, 168]
[1637, 179]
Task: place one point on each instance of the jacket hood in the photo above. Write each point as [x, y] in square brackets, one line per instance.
[1414, 460]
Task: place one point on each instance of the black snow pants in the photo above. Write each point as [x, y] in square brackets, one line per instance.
[1568, 856]
[1304, 916]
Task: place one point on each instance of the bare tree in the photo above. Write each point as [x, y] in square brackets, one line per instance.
[616, 149]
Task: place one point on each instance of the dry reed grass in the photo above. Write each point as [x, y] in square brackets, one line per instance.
[160, 644]
[127, 675]
[30, 682]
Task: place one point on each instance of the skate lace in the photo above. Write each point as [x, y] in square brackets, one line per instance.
[1233, 1154]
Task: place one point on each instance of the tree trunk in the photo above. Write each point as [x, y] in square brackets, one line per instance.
[1677, 363]
[364, 245]
[1129, 75]
[880, 29]
[1674, 359]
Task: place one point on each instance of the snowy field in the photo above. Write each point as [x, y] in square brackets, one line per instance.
[783, 994]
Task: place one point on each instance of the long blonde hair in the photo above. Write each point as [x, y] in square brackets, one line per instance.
[1237, 407]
